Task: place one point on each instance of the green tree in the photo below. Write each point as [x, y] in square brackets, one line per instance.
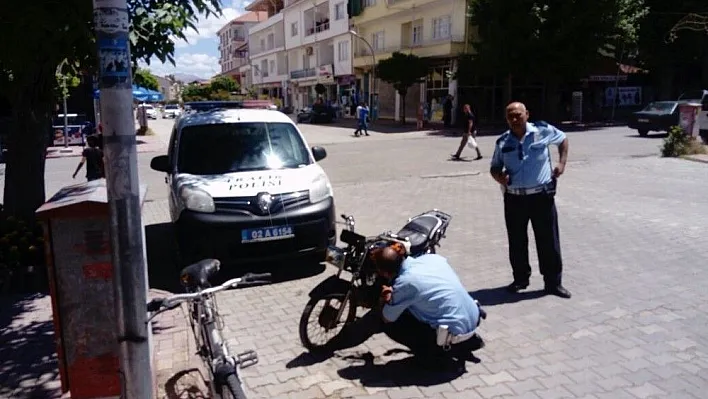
[402, 71]
[29, 57]
[555, 41]
[196, 92]
[143, 78]
[668, 57]
[223, 83]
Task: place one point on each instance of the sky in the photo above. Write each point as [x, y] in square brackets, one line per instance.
[200, 54]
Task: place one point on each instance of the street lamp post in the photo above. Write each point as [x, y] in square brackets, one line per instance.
[373, 66]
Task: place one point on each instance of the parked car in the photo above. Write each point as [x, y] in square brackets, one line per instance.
[244, 186]
[318, 113]
[657, 116]
[150, 111]
[171, 111]
[660, 116]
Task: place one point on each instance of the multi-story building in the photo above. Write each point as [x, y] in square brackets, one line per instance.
[302, 44]
[232, 38]
[434, 29]
[268, 62]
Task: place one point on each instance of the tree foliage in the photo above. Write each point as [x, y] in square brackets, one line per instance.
[402, 71]
[666, 58]
[37, 37]
[218, 89]
[223, 83]
[551, 39]
[143, 78]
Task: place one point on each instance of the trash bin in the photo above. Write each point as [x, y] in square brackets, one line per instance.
[688, 118]
[78, 252]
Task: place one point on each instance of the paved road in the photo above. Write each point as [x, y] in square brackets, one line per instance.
[633, 233]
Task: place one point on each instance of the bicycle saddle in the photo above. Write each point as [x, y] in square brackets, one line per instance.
[198, 274]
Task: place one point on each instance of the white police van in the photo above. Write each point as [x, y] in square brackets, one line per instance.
[244, 186]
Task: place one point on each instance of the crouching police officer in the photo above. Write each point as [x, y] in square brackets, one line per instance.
[522, 165]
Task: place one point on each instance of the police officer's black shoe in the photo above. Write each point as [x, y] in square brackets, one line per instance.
[517, 286]
[558, 290]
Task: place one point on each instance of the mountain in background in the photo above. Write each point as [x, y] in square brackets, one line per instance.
[187, 78]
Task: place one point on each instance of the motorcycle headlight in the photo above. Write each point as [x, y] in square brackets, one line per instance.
[335, 256]
[320, 189]
[197, 200]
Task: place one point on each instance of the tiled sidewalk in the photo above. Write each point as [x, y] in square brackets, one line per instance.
[28, 361]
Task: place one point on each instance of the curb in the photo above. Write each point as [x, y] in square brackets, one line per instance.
[694, 158]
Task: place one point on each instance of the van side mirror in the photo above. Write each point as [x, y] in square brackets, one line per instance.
[319, 153]
[160, 163]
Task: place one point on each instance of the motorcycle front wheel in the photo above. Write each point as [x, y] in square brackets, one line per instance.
[325, 319]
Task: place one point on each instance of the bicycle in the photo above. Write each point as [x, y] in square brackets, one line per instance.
[222, 366]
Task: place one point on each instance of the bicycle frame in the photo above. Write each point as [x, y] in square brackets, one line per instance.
[207, 329]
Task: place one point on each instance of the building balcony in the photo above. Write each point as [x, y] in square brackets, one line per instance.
[265, 24]
[319, 27]
[316, 19]
[363, 50]
[303, 73]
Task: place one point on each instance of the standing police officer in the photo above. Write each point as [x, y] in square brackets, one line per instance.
[522, 165]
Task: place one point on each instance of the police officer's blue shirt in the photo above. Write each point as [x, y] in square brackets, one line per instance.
[527, 161]
[429, 289]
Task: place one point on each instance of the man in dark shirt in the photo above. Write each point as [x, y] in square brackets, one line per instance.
[92, 156]
[469, 135]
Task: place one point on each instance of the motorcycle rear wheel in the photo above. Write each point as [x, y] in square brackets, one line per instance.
[325, 317]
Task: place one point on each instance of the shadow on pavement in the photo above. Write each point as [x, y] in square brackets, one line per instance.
[187, 384]
[499, 296]
[164, 266]
[162, 259]
[649, 136]
[397, 373]
[28, 362]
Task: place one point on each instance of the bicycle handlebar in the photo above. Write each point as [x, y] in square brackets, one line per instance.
[171, 302]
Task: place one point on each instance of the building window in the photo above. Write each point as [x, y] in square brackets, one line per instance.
[271, 41]
[264, 68]
[293, 29]
[417, 34]
[343, 51]
[441, 27]
[272, 67]
[339, 11]
[263, 47]
[377, 41]
[369, 3]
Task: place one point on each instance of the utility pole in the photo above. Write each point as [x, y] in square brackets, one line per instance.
[121, 164]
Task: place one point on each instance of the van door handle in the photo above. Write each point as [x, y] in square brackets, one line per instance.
[166, 180]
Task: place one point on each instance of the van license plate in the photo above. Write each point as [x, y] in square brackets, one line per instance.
[267, 234]
[643, 120]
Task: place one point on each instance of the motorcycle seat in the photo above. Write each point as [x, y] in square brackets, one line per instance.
[418, 231]
[197, 275]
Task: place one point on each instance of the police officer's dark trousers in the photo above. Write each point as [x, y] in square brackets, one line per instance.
[540, 209]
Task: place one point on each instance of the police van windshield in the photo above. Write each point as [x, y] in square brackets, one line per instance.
[240, 147]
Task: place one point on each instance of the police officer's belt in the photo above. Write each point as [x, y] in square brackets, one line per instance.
[544, 188]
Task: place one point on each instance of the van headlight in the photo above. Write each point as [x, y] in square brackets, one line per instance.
[197, 200]
[320, 189]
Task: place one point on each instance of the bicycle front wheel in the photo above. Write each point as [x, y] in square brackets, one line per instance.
[232, 388]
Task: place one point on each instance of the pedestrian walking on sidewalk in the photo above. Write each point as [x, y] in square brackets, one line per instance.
[522, 165]
[92, 156]
[362, 114]
[470, 134]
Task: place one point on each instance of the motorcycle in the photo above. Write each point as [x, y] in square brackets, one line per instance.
[343, 295]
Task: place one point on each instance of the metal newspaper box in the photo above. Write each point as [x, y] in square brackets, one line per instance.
[78, 252]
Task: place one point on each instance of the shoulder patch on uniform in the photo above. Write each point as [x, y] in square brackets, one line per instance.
[541, 123]
[502, 137]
